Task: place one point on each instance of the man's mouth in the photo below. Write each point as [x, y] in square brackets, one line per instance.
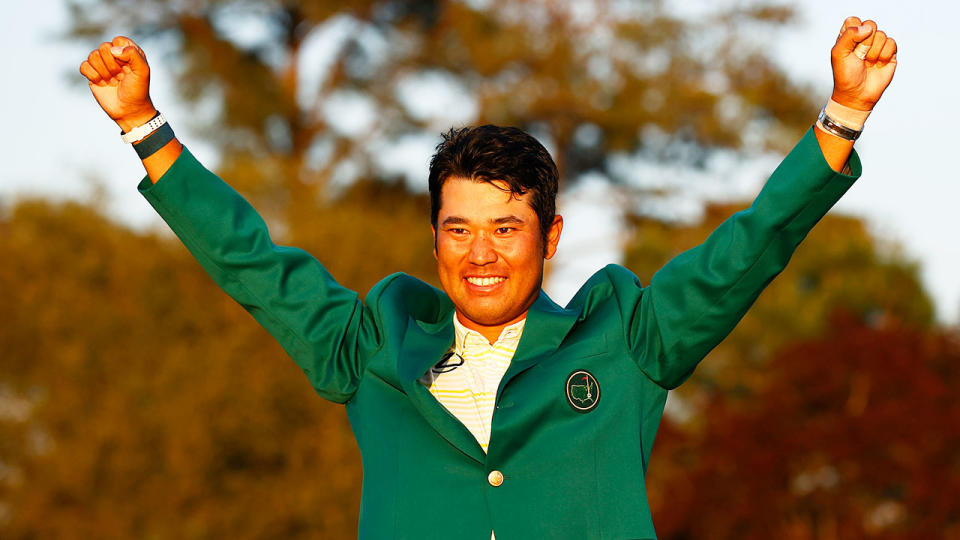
[485, 281]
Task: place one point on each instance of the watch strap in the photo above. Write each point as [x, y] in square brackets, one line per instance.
[155, 141]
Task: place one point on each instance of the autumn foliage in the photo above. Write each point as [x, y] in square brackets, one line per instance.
[854, 436]
[138, 401]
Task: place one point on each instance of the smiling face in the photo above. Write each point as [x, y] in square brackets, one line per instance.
[490, 253]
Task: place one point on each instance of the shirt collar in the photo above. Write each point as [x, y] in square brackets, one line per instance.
[466, 337]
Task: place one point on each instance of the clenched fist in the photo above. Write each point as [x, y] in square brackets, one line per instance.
[864, 60]
[119, 78]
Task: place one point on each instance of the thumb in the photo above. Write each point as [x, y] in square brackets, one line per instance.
[133, 56]
[857, 38]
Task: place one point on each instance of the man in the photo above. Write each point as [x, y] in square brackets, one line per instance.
[486, 409]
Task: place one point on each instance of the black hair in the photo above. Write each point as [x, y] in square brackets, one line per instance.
[494, 153]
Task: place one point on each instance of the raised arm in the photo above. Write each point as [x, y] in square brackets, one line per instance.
[324, 327]
[864, 60]
[694, 301]
[119, 78]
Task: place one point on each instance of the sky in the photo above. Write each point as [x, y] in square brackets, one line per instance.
[58, 144]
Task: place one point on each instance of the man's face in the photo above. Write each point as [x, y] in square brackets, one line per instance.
[490, 253]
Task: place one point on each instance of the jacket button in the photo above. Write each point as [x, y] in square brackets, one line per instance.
[495, 478]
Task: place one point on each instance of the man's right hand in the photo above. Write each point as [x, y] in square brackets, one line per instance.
[119, 78]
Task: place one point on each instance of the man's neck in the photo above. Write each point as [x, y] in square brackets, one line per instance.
[490, 333]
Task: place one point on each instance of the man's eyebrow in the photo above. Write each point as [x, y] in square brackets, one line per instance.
[505, 220]
[455, 220]
[512, 220]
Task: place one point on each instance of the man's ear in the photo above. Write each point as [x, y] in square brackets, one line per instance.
[433, 230]
[553, 237]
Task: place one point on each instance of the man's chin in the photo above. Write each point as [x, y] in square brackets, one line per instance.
[493, 317]
[484, 318]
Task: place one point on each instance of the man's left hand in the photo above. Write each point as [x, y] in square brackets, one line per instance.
[863, 60]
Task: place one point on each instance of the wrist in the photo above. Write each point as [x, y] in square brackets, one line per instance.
[852, 102]
[130, 121]
[846, 116]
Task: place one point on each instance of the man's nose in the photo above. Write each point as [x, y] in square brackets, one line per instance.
[481, 250]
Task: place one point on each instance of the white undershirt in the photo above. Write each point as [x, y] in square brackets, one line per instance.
[469, 391]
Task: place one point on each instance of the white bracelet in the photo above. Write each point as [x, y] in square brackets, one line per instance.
[142, 131]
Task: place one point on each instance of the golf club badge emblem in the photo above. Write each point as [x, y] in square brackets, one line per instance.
[583, 391]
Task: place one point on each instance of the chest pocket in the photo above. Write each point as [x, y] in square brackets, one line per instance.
[587, 348]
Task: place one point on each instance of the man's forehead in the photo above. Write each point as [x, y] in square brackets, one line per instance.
[461, 194]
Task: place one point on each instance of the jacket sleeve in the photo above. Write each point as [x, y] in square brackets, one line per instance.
[323, 326]
[697, 298]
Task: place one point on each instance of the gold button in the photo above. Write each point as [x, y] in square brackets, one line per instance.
[495, 478]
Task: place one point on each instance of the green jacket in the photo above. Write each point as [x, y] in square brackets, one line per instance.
[567, 473]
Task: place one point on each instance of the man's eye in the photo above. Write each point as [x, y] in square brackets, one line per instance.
[505, 230]
[457, 230]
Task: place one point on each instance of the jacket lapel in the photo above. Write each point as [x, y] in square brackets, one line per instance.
[423, 346]
[546, 327]
[425, 343]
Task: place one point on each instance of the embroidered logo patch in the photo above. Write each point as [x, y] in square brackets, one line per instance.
[583, 391]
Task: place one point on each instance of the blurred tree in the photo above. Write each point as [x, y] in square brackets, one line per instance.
[854, 437]
[137, 400]
[586, 77]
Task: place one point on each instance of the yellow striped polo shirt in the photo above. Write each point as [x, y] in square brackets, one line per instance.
[466, 382]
